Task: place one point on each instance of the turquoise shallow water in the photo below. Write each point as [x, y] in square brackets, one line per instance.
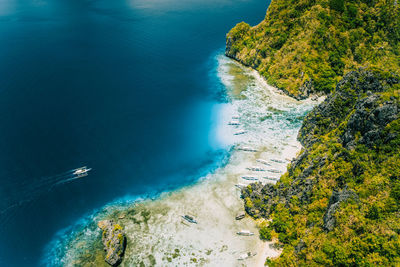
[154, 228]
[124, 87]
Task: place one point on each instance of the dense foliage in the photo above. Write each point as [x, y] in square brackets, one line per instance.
[339, 202]
[306, 46]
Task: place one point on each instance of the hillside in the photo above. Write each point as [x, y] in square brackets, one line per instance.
[307, 46]
[339, 202]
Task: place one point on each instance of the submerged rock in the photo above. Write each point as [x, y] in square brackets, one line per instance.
[114, 241]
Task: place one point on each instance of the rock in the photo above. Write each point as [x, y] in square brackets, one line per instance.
[348, 96]
[114, 241]
[369, 120]
[334, 203]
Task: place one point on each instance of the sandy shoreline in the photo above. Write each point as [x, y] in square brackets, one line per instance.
[157, 235]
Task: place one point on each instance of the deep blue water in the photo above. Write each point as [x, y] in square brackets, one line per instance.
[123, 87]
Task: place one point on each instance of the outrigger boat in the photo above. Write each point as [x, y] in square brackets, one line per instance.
[246, 256]
[240, 216]
[271, 178]
[81, 172]
[239, 132]
[274, 171]
[245, 233]
[256, 169]
[250, 178]
[248, 149]
[240, 186]
[278, 160]
[234, 123]
[263, 162]
[189, 219]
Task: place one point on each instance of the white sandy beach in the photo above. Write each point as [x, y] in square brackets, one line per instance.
[158, 236]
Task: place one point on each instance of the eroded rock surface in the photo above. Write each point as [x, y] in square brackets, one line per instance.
[114, 241]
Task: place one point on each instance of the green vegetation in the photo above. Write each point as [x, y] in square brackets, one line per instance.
[339, 202]
[306, 46]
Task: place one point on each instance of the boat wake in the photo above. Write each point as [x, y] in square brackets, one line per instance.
[199, 224]
[20, 194]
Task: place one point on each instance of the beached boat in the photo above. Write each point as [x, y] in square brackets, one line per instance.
[240, 186]
[249, 177]
[274, 171]
[256, 169]
[248, 149]
[239, 132]
[278, 160]
[245, 233]
[234, 123]
[189, 218]
[271, 178]
[246, 256]
[262, 161]
[240, 216]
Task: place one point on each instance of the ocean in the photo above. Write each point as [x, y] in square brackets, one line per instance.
[126, 88]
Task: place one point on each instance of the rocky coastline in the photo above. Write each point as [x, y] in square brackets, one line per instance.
[114, 241]
[155, 232]
[304, 91]
[352, 123]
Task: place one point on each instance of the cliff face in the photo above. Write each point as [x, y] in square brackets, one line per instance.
[339, 202]
[307, 46]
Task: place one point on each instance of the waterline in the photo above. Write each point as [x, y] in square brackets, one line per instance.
[155, 231]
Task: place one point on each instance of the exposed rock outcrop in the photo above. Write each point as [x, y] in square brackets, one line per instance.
[358, 114]
[114, 241]
[349, 95]
[369, 120]
[334, 203]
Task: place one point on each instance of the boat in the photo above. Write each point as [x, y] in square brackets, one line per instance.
[240, 216]
[189, 219]
[278, 160]
[249, 177]
[262, 161]
[240, 186]
[235, 117]
[271, 178]
[245, 233]
[248, 149]
[256, 169]
[246, 256]
[239, 132]
[234, 123]
[274, 171]
[81, 172]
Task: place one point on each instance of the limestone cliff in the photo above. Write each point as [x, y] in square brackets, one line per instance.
[307, 46]
[339, 202]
